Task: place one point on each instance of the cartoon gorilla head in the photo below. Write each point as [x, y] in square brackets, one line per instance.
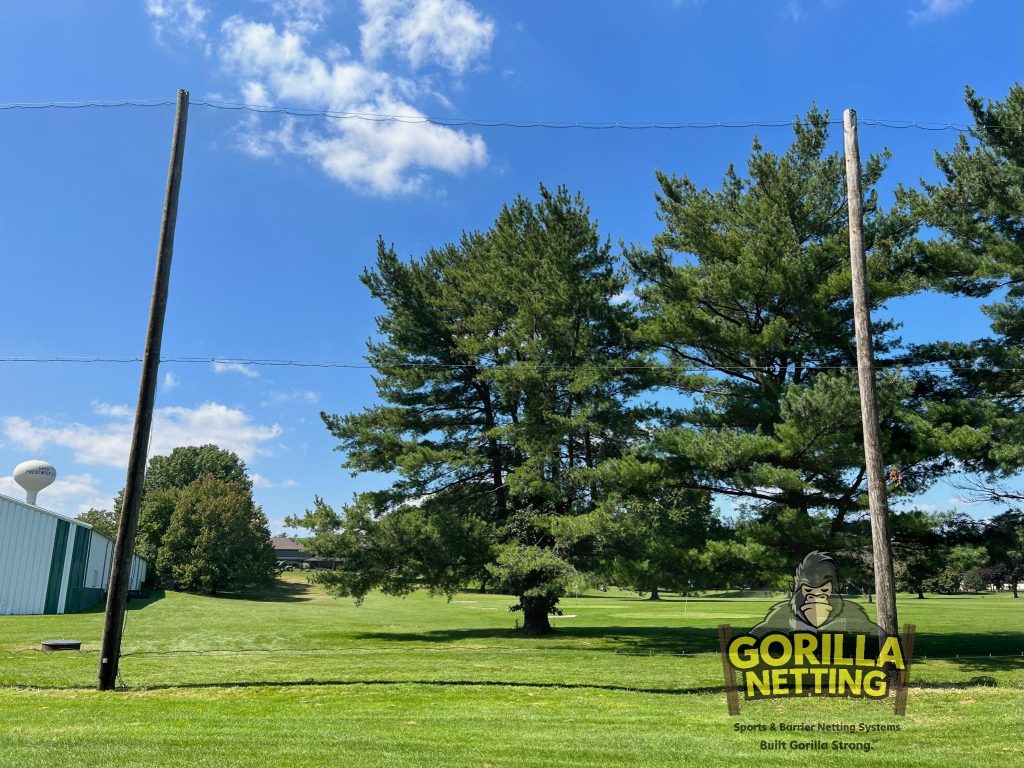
[816, 588]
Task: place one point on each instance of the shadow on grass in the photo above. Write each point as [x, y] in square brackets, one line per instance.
[755, 594]
[707, 689]
[911, 599]
[689, 640]
[674, 599]
[974, 682]
[134, 603]
[278, 592]
[638, 639]
[952, 644]
[644, 597]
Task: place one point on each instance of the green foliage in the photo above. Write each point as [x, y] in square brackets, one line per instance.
[938, 552]
[739, 563]
[441, 549]
[508, 373]
[154, 520]
[538, 575]
[978, 210]
[186, 464]
[747, 292]
[100, 519]
[166, 476]
[919, 551]
[655, 540]
[1004, 542]
[217, 539]
[961, 570]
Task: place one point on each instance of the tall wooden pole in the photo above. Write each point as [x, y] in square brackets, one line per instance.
[885, 591]
[120, 569]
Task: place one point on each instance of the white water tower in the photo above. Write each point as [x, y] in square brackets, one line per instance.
[33, 476]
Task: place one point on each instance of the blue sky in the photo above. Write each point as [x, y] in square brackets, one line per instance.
[278, 217]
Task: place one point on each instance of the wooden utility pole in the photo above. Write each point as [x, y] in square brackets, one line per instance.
[120, 569]
[885, 592]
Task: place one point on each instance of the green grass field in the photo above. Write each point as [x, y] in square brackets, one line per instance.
[291, 676]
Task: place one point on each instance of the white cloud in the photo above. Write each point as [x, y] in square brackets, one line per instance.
[301, 15]
[69, 495]
[793, 10]
[294, 396]
[282, 61]
[259, 481]
[378, 157]
[290, 484]
[245, 370]
[108, 444]
[170, 381]
[930, 10]
[184, 19]
[623, 296]
[117, 411]
[449, 33]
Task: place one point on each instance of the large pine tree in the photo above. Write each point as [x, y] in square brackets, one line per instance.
[508, 377]
[747, 292]
[978, 212]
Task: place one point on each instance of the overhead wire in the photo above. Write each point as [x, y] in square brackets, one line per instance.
[456, 122]
[474, 122]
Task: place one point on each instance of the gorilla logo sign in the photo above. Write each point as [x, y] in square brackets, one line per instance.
[815, 644]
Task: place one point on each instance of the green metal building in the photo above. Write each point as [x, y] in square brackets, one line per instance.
[53, 564]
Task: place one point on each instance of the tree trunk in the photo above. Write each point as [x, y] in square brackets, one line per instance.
[588, 456]
[494, 451]
[654, 594]
[1014, 586]
[920, 594]
[535, 615]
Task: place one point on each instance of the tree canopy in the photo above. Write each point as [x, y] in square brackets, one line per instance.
[508, 375]
[747, 293]
[978, 210]
[217, 538]
[167, 476]
[100, 519]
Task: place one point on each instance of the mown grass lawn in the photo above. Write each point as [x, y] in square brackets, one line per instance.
[292, 676]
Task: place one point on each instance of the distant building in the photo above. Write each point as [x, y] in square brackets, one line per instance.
[288, 549]
[53, 564]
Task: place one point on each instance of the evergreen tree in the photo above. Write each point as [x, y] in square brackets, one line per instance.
[655, 540]
[978, 210]
[747, 293]
[919, 549]
[1003, 538]
[508, 378]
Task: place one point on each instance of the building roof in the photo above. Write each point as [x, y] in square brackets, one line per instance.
[45, 511]
[283, 543]
[72, 520]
